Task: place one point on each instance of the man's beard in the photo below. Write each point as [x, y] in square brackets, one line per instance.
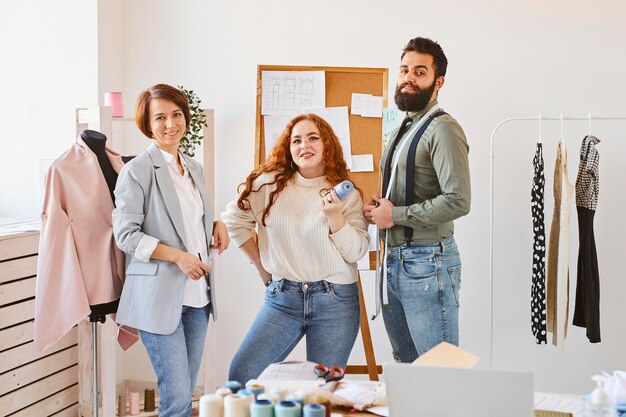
[414, 102]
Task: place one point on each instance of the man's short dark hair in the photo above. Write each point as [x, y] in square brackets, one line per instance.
[428, 46]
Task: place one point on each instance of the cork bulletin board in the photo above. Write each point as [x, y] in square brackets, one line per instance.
[366, 133]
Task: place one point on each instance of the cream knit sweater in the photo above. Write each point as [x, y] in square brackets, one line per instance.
[296, 242]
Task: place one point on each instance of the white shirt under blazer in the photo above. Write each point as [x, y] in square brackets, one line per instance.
[147, 205]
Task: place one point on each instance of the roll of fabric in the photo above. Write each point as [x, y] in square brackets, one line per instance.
[236, 405]
[148, 400]
[262, 408]
[121, 405]
[211, 405]
[287, 409]
[134, 403]
[314, 410]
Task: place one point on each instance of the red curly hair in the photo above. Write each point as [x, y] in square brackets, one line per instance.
[281, 164]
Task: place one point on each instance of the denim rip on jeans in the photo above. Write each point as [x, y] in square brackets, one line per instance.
[328, 314]
[423, 288]
[176, 360]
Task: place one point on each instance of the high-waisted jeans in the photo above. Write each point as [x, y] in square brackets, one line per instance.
[328, 314]
[423, 289]
[176, 360]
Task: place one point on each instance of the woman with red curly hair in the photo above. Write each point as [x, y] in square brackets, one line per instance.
[308, 244]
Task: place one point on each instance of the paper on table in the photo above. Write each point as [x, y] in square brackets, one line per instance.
[291, 92]
[358, 103]
[380, 410]
[555, 402]
[373, 107]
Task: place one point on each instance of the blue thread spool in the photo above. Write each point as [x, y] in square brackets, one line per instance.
[287, 409]
[256, 389]
[262, 408]
[234, 386]
[343, 189]
[314, 410]
[245, 392]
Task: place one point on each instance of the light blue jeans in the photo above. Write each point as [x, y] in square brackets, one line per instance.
[328, 314]
[176, 360]
[423, 289]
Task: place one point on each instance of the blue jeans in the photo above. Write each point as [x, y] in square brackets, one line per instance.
[328, 314]
[423, 289]
[176, 360]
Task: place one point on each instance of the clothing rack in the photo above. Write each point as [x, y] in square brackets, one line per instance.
[538, 119]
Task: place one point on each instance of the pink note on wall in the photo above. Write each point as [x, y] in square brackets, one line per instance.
[114, 99]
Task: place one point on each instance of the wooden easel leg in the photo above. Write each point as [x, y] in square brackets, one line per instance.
[368, 347]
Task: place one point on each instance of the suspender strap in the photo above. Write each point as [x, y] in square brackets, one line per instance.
[410, 167]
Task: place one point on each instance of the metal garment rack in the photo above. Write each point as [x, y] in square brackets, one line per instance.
[538, 119]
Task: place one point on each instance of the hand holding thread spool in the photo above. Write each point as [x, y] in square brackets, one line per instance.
[342, 190]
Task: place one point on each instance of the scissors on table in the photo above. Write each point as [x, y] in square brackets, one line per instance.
[335, 373]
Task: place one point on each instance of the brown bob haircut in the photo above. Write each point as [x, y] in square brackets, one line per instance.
[159, 92]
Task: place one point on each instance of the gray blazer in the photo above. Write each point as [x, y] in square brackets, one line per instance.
[147, 203]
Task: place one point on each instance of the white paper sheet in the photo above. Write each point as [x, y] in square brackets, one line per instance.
[392, 118]
[273, 126]
[557, 402]
[358, 103]
[362, 163]
[291, 92]
[373, 107]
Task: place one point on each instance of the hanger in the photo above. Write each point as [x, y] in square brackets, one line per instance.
[561, 140]
[539, 140]
[589, 126]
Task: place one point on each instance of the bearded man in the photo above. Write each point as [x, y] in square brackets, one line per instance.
[425, 186]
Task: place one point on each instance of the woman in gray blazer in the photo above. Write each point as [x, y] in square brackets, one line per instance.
[164, 223]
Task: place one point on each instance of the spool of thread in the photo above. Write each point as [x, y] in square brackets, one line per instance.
[344, 188]
[223, 392]
[287, 409]
[148, 399]
[236, 405]
[314, 410]
[245, 392]
[234, 386]
[326, 403]
[256, 389]
[211, 405]
[121, 405]
[114, 99]
[280, 392]
[262, 408]
[134, 403]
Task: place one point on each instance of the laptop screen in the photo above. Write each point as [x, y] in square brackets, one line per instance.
[424, 391]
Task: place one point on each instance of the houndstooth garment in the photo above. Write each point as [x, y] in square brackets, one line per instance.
[538, 286]
[587, 180]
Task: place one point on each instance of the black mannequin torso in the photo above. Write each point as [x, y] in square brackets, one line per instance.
[96, 141]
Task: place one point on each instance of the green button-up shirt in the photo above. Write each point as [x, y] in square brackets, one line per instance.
[442, 182]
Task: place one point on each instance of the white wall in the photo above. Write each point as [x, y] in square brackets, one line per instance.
[506, 59]
[49, 63]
